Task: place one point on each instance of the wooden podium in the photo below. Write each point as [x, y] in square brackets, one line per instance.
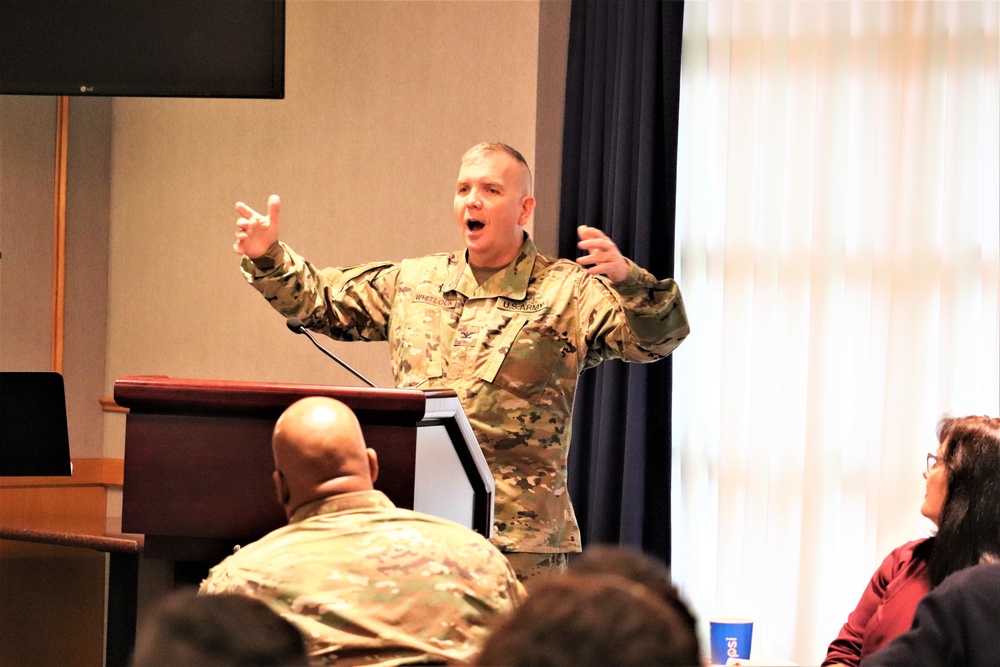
[198, 459]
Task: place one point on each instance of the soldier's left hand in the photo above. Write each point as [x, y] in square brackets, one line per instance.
[603, 255]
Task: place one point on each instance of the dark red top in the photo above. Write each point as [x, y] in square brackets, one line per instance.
[887, 606]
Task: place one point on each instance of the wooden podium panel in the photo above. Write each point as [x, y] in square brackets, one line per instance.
[198, 459]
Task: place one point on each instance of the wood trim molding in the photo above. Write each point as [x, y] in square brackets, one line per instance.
[59, 234]
[86, 472]
[108, 405]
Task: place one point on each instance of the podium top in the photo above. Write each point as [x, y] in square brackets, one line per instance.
[167, 395]
[198, 462]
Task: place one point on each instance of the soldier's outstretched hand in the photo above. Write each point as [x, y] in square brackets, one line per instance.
[255, 233]
[603, 255]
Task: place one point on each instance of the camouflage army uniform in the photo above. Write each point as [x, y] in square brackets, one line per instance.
[369, 583]
[512, 349]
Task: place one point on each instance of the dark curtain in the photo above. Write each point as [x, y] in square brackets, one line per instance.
[619, 174]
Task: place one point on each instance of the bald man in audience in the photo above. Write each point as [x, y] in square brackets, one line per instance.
[366, 582]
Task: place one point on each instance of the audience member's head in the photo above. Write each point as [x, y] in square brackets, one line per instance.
[635, 566]
[577, 620]
[963, 495]
[224, 630]
[319, 451]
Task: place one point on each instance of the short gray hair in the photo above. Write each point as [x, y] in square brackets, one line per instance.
[498, 147]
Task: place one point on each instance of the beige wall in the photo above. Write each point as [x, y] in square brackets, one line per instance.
[382, 98]
[553, 41]
[88, 195]
[27, 204]
[27, 158]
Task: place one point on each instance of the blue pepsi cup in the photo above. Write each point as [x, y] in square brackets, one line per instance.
[730, 638]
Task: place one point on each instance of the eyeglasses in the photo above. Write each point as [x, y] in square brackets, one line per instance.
[933, 460]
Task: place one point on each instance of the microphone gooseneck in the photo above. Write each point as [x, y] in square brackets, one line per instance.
[296, 325]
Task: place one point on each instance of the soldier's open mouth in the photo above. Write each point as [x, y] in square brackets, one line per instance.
[474, 225]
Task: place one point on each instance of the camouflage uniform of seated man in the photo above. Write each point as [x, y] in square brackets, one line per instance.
[506, 327]
[365, 582]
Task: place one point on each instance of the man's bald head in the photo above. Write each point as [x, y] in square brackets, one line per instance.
[319, 451]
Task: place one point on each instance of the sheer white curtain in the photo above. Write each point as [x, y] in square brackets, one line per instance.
[839, 252]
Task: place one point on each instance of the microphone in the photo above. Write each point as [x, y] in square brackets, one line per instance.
[296, 325]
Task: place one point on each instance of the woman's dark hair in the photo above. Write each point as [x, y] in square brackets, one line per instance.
[969, 524]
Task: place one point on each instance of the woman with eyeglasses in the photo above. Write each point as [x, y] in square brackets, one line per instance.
[963, 501]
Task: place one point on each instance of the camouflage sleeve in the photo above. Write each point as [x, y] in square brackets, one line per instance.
[637, 319]
[344, 303]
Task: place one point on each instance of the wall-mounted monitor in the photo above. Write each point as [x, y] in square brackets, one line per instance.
[143, 48]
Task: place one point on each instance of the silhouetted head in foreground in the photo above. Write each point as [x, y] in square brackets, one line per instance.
[636, 566]
[577, 620]
[224, 630]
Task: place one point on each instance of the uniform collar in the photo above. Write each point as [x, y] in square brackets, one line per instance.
[343, 502]
[511, 282]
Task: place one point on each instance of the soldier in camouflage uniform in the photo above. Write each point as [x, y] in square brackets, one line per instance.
[367, 583]
[508, 328]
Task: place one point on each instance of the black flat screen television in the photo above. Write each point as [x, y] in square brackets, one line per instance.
[143, 48]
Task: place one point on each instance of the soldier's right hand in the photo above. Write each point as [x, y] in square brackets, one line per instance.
[255, 233]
